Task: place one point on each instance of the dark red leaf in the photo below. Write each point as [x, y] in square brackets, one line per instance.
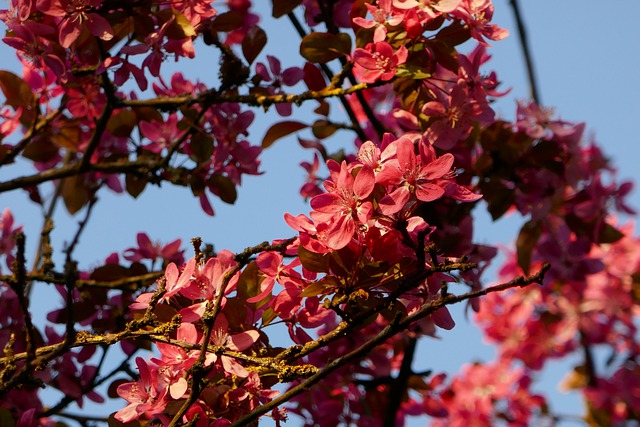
[280, 130]
[134, 185]
[223, 187]
[527, 240]
[313, 77]
[282, 7]
[253, 43]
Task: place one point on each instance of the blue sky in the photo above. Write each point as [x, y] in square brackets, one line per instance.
[587, 61]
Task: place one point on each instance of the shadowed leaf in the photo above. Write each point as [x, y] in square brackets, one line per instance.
[280, 130]
[323, 47]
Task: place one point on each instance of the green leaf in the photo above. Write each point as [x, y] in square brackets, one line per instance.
[235, 311]
[280, 130]
[601, 233]
[454, 34]
[4, 150]
[253, 43]
[68, 135]
[412, 72]
[110, 272]
[112, 391]
[323, 47]
[268, 315]
[527, 240]
[609, 234]
[16, 90]
[197, 184]
[41, 150]
[499, 197]
[446, 55]
[313, 289]
[282, 7]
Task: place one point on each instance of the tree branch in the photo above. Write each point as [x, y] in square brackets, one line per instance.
[524, 44]
[392, 329]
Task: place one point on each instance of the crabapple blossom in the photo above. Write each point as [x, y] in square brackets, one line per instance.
[278, 78]
[74, 16]
[382, 14]
[344, 205]
[147, 249]
[378, 61]
[8, 236]
[145, 396]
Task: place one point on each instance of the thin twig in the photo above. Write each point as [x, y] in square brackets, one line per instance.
[132, 284]
[524, 44]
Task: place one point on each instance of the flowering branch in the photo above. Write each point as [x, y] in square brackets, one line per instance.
[398, 325]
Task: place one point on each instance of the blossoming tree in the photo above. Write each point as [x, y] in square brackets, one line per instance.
[179, 335]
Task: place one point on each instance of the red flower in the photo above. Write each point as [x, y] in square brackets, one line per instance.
[144, 396]
[413, 176]
[378, 61]
[75, 15]
[344, 205]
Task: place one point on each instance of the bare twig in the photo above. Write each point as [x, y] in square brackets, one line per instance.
[524, 44]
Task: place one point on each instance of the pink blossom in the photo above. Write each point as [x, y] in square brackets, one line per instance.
[86, 101]
[279, 78]
[176, 281]
[126, 69]
[207, 284]
[378, 61]
[235, 342]
[425, 177]
[195, 10]
[477, 14]
[146, 397]
[431, 8]
[8, 236]
[451, 117]
[75, 16]
[310, 187]
[271, 265]
[155, 250]
[483, 394]
[344, 205]
[381, 14]
[162, 135]
[35, 51]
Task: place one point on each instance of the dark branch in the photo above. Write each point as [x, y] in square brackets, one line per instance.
[524, 43]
